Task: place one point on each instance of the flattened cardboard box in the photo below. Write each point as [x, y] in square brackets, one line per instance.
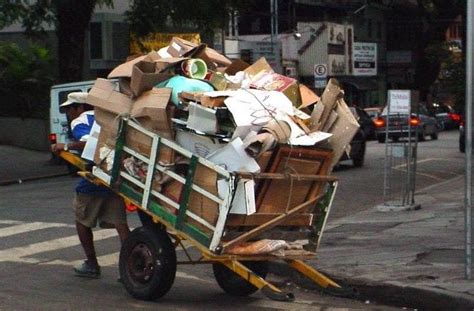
[145, 71]
[133, 139]
[343, 130]
[272, 81]
[145, 75]
[260, 65]
[179, 47]
[151, 110]
[198, 204]
[329, 98]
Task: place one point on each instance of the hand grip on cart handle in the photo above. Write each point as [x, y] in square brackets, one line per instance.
[75, 160]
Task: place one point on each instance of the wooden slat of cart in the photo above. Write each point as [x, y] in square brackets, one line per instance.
[270, 224]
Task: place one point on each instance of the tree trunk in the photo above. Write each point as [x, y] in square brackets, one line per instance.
[73, 21]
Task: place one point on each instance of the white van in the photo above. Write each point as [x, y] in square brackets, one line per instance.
[58, 123]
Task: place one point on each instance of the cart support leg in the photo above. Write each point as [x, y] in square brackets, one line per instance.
[267, 288]
[312, 273]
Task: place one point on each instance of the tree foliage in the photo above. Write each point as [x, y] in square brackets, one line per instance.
[435, 17]
[25, 80]
[70, 19]
[148, 16]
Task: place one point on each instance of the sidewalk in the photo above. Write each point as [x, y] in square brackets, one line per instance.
[408, 258]
[18, 165]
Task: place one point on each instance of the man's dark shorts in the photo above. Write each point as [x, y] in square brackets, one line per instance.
[107, 210]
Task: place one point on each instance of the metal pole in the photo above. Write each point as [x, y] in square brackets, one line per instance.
[272, 21]
[408, 162]
[386, 164]
[468, 129]
[276, 17]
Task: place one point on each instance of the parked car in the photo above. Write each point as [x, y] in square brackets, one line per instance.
[358, 146]
[422, 124]
[447, 117]
[365, 122]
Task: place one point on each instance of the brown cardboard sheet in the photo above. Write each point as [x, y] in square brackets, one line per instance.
[331, 93]
[151, 110]
[343, 130]
[182, 48]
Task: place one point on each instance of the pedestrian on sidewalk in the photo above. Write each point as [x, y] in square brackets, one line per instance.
[92, 203]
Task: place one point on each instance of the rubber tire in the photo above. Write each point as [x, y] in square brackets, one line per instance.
[422, 135]
[156, 247]
[235, 285]
[358, 162]
[434, 136]
[381, 139]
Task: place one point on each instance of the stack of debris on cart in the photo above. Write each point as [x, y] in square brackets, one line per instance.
[221, 132]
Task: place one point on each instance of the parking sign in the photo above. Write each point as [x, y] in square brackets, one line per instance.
[320, 71]
[320, 75]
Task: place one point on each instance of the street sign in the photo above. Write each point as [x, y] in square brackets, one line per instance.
[320, 83]
[364, 57]
[320, 71]
[399, 101]
[320, 75]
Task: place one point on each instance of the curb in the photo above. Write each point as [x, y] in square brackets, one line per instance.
[26, 179]
[393, 294]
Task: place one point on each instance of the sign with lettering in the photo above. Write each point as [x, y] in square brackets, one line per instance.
[399, 101]
[364, 59]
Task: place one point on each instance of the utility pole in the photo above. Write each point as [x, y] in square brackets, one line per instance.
[468, 129]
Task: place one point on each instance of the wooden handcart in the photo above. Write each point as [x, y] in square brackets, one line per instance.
[189, 210]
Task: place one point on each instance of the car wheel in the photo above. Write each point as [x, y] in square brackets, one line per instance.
[358, 162]
[358, 159]
[434, 136]
[381, 139]
[422, 135]
[462, 145]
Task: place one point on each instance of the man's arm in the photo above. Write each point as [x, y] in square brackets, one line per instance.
[75, 145]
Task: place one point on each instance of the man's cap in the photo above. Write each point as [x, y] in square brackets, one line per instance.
[75, 97]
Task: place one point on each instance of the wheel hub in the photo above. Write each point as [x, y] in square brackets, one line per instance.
[141, 264]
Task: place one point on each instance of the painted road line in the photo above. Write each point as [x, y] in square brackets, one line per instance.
[16, 253]
[418, 162]
[28, 227]
[402, 168]
[108, 260]
[10, 222]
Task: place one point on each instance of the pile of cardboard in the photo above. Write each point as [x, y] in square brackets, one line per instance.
[237, 116]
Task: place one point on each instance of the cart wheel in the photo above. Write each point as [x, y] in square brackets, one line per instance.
[235, 285]
[147, 263]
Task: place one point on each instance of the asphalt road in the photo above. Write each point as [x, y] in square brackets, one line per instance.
[39, 245]
[362, 188]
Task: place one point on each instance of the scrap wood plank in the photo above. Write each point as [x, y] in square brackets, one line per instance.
[272, 223]
[305, 177]
[257, 219]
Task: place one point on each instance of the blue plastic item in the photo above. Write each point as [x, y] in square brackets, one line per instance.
[182, 84]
